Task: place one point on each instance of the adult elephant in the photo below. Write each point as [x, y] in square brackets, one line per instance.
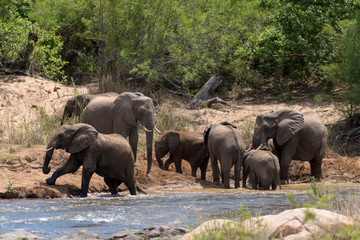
[75, 105]
[108, 155]
[121, 116]
[182, 145]
[296, 136]
[263, 167]
[225, 143]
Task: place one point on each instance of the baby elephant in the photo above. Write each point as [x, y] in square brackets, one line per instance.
[182, 145]
[263, 167]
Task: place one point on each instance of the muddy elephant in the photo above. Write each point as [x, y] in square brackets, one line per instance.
[75, 105]
[108, 155]
[298, 136]
[263, 167]
[121, 116]
[225, 143]
[182, 145]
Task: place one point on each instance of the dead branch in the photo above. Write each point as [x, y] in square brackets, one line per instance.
[200, 97]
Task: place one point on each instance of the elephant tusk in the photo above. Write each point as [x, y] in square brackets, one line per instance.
[157, 129]
[146, 130]
[49, 149]
[259, 147]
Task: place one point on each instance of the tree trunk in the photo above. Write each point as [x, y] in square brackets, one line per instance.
[200, 97]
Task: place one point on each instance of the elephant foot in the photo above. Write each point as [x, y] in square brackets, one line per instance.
[50, 181]
[114, 193]
[83, 195]
[284, 181]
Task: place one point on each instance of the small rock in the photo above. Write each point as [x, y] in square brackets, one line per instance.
[83, 234]
[127, 234]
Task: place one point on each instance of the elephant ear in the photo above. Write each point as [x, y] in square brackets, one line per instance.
[206, 134]
[84, 136]
[172, 139]
[289, 122]
[123, 106]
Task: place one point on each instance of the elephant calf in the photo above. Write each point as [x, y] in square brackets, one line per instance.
[182, 145]
[108, 155]
[263, 167]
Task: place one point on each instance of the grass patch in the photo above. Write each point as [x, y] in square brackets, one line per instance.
[29, 133]
[8, 158]
[166, 120]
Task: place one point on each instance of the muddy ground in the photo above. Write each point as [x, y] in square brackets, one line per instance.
[23, 100]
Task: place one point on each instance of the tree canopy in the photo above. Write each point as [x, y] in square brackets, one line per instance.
[180, 44]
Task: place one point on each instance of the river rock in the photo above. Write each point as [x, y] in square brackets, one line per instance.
[288, 225]
[128, 234]
[163, 232]
[83, 234]
[19, 235]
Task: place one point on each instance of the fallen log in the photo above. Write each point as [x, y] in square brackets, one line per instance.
[200, 97]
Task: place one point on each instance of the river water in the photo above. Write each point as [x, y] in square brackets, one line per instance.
[104, 215]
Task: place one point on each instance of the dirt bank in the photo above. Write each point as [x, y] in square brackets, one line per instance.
[24, 99]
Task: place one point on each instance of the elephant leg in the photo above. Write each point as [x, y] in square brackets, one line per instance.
[168, 162]
[273, 184]
[112, 185]
[245, 176]
[215, 169]
[284, 165]
[237, 173]
[133, 140]
[86, 176]
[265, 184]
[71, 166]
[226, 177]
[130, 184]
[177, 161]
[203, 168]
[254, 181]
[315, 166]
[194, 167]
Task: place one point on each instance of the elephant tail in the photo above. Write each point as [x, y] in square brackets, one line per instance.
[140, 190]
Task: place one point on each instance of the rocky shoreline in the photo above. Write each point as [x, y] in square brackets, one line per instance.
[163, 232]
[298, 223]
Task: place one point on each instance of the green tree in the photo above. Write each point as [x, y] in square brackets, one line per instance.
[300, 37]
[351, 70]
[24, 46]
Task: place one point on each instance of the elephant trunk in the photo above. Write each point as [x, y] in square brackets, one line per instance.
[48, 156]
[65, 115]
[257, 141]
[149, 140]
[158, 156]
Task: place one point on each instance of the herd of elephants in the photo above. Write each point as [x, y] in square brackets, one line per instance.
[99, 144]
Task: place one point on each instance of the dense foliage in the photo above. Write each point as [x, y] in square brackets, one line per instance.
[180, 44]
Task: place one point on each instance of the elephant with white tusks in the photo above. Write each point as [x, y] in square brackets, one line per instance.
[108, 155]
[298, 136]
[225, 143]
[122, 116]
[263, 167]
